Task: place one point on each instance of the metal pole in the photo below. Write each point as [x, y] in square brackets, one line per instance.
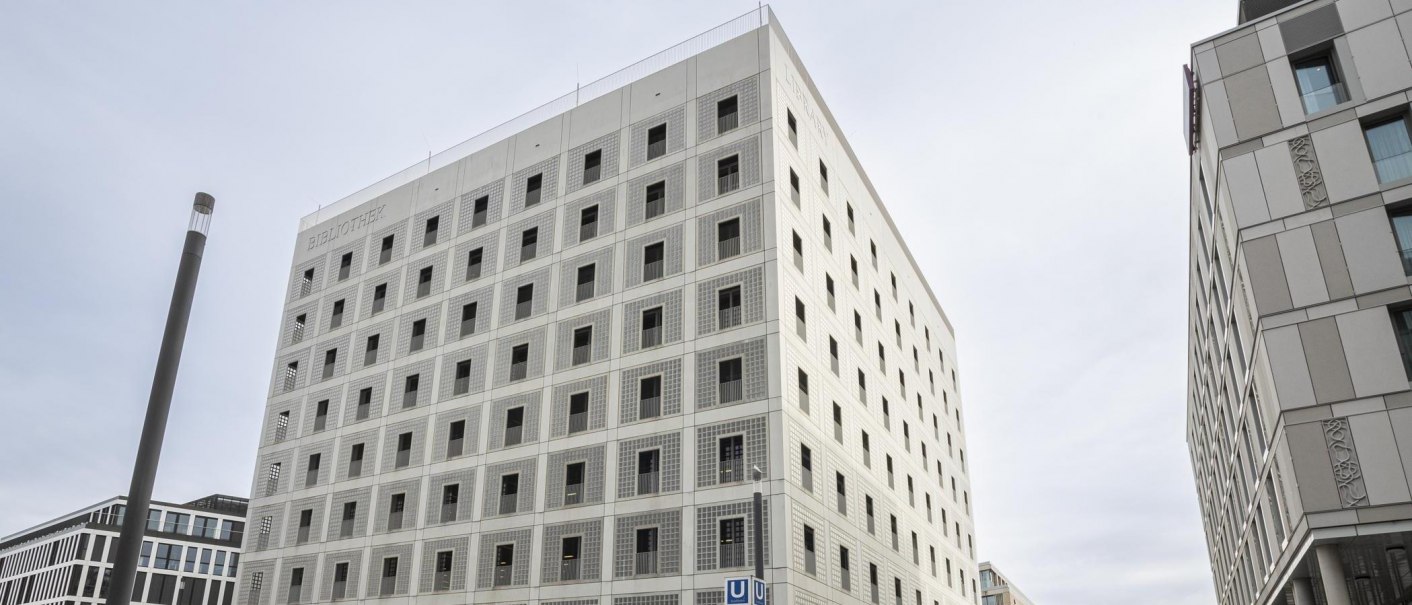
[759, 529]
[154, 427]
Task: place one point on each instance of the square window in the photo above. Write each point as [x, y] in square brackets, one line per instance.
[1390, 148]
[656, 141]
[1319, 84]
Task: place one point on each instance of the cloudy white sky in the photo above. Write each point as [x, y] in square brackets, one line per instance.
[1031, 151]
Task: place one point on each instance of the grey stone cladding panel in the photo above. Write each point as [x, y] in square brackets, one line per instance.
[630, 384]
[283, 412]
[315, 506]
[495, 197]
[383, 330]
[606, 201]
[324, 450]
[460, 549]
[437, 263]
[747, 152]
[418, 428]
[675, 121]
[673, 180]
[754, 365]
[669, 462]
[601, 323]
[554, 473]
[602, 261]
[349, 296]
[489, 246]
[529, 430]
[648, 599]
[590, 534]
[608, 166]
[524, 503]
[398, 232]
[369, 439]
[341, 351]
[634, 254]
[354, 560]
[432, 315]
[257, 583]
[708, 530]
[296, 278]
[544, 239]
[466, 497]
[471, 442]
[410, 489]
[519, 183]
[362, 500]
[479, 356]
[266, 528]
[510, 289]
[707, 250]
[597, 389]
[752, 299]
[284, 380]
[522, 539]
[392, 279]
[484, 300]
[504, 348]
[271, 480]
[376, 558]
[442, 213]
[404, 398]
[670, 303]
[306, 564]
[356, 264]
[754, 434]
[293, 332]
[334, 397]
[376, 387]
[668, 524]
[747, 93]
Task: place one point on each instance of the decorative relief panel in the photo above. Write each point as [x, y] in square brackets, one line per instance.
[1307, 173]
[1348, 475]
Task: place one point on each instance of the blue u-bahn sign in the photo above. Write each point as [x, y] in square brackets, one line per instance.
[745, 591]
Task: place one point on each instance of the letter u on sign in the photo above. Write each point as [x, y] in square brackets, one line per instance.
[738, 591]
[757, 596]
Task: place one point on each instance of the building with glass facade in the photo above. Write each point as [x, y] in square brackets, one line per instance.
[542, 367]
[997, 589]
[190, 555]
[1299, 417]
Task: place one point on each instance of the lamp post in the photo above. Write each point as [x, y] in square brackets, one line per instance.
[759, 524]
[159, 403]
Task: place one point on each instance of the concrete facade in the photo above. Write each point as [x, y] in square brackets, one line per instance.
[1298, 425]
[190, 555]
[997, 589]
[542, 372]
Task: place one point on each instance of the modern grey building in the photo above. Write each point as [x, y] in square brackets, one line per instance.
[1299, 415]
[190, 555]
[541, 367]
[997, 589]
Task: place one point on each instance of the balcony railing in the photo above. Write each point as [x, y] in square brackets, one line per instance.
[523, 309]
[409, 399]
[532, 197]
[311, 477]
[340, 589]
[656, 149]
[1394, 168]
[394, 521]
[320, 422]
[473, 271]
[873, 593]
[442, 581]
[806, 478]
[1324, 98]
[582, 354]
[578, 423]
[845, 584]
[656, 207]
[388, 585]
[653, 270]
[584, 292]
[355, 468]
[305, 287]
[303, 535]
[733, 555]
[528, 252]
[727, 183]
[418, 341]
[508, 503]
[649, 407]
[727, 122]
[298, 333]
[281, 432]
[448, 512]
[651, 337]
[811, 565]
[801, 329]
[295, 591]
[345, 528]
[271, 486]
[503, 576]
[732, 391]
[728, 317]
[478, 218]
[519, 370]
[646, 563]
[732, 470]
[568, 570]
[573, 494]
[588, 231]
[291, 376]
[461, 386]
[804, 401]
[592, 173]
[842, 503]
[335, 321]
[728, 248]
[423, 288]
[649, 483]
[513, 435]
[404, 457]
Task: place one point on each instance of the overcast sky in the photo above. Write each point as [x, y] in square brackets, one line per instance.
[1030, 151]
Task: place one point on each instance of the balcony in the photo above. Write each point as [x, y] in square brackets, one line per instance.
[569, 570]
[578, 423]
[502, 577]
[649, 407]
[732, 391]
[588, 231]
[508, 504]
[728, 248]
[573, 494]
[651, 337]
[732, 470]
[584, 292]
[733, 555]
[582, 354]
[727, 183]
[653, 270]
[649, 483]
[728, 317]
[646, 564]
[295, 592]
